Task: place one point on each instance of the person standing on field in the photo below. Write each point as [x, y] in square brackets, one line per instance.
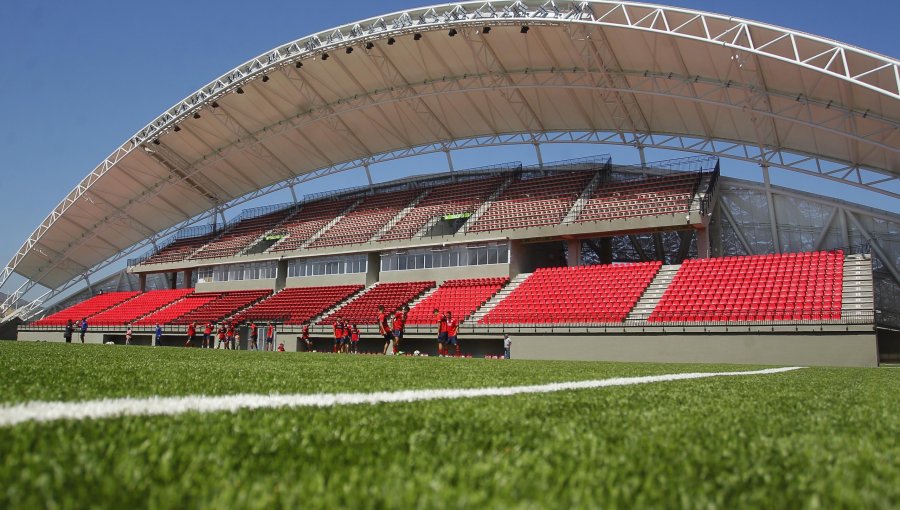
[254, 336]
[83, 326]
[452, 331]
[191, 331]
[157, 335]
[507, 345]
[270, 336]
[67, 333]
[207, 336]
[128, 335]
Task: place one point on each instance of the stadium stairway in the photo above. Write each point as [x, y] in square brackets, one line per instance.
[353, 297]
[398, 217]
[858, 297]
[652, 294]
[423, 297]
[487, 204]
[502, 294]
[259, 245]
[313, 238]
[583, 199]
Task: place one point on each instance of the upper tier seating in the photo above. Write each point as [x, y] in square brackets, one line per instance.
[140, 306]
[311, 218]
[533, 202]
[643, 197]
[461, 297]
[575, 295]
[223, 305]
[785, 287]
[168, 314]
[179, 249]
[364, 309]
[366, 219]
[86, 309]
[452, 198]
[297, 305]
[241, 235]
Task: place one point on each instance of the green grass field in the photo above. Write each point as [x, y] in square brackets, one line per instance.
[809, 438]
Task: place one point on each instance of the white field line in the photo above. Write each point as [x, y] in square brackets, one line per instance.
[169, 406]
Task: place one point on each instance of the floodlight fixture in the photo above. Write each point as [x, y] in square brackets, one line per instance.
[391, 41]
[324, 56]
[265, 78]
[452, 32]
[524, 29]
[349, 50]
[417, 36]
[370, 45]
[196, 115]
[486, 30]
[239, 90]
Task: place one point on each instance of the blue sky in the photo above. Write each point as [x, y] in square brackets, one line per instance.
[78, 78]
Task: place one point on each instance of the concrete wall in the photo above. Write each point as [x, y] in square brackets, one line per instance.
[236, 285]
[852, 349]
[439, 274]
[326, 280]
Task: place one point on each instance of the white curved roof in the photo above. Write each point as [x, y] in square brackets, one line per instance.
[595, 71]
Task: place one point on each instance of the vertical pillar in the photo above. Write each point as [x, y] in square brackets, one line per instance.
[703, 249]
[188, 278]
[449, 160]
[606, 251]
[173, 281]
[770, 200]
[373, 268]
[281, 275]
[573, 253]
[142, 282]
[516, 258]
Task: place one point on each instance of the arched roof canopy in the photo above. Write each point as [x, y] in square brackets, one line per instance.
[477, 73]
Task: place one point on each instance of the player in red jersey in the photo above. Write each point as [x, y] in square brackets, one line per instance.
[191, 331]
[338, 335]
[384, 329]
[207, 336]
[230, 337]
[270, 335]
[398, 327]
[354, 339]
[221, 334]
[452, 330]
[307, 343]
[440, 319]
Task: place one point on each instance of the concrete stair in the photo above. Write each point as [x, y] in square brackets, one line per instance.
[579, 204]
[487, 204]
[858, 296]
[328, 225]
[483, 310]
[652, 294]
[398, 217]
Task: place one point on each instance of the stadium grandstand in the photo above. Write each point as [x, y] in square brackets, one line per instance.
[698, 258]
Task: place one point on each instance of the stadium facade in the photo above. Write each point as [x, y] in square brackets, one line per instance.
[477, 74]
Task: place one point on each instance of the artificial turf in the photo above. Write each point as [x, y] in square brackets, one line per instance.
[810, 438]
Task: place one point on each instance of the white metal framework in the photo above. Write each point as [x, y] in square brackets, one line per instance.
[476, 74]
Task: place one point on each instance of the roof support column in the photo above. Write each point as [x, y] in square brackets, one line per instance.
[368, 175]
[449, 159]
[537, 151]
[770, 201]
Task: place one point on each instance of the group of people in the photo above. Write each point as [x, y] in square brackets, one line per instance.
[229, 337]
[346, 335]
[69, 331]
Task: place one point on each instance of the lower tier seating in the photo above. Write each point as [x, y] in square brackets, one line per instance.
[86, 309]
[785, 287]
[168, 314]
[575, 295]
[223, 305]
[364, 309]
[461, 297]
[297, 305]
[140, 306]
